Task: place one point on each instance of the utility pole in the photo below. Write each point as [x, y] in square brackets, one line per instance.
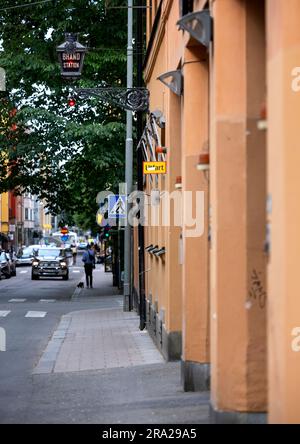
[141, 243]
[128, 166]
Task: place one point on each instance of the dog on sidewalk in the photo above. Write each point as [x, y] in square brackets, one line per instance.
[80, 285]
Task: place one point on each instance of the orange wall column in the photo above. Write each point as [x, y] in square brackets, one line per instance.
[284, 189]
[238, 288]
[172, 340]
[195, 354]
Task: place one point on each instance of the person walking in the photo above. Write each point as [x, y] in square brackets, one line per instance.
[74, 253]
[88, 259]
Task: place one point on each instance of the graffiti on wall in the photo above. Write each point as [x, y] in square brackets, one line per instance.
[257, 291]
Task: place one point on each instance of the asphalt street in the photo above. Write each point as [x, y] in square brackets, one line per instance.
[30, 312]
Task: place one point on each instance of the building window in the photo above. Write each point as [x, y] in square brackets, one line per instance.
[26, 213]
[186, 6]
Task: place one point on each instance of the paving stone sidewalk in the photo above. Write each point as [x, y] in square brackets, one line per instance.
[99, 338]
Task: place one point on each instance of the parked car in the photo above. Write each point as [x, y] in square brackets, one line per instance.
[12, 259]
[5, 268]
[82, 245]
[25, 257]
[51, 262]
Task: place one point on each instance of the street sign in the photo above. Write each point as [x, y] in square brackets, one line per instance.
[64, 231]
[117, 206]
[155, 167]
[64, 238]
[71, 55]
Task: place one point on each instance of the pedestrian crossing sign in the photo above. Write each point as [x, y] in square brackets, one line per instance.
[117, 206]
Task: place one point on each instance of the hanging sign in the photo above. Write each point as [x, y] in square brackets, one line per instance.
[154, 167]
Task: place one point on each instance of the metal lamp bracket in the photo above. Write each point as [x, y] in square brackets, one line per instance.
[131, 99]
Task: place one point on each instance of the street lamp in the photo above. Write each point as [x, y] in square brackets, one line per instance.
[131, 99]
[71, 55]
[199, 25]
[173, 80]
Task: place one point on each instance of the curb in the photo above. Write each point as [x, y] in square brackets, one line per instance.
[47, 362]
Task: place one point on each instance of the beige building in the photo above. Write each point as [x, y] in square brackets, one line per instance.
[224, 81]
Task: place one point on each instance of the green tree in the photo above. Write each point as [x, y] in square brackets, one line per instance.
[65, 155]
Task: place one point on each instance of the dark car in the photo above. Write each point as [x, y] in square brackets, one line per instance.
[51, 262]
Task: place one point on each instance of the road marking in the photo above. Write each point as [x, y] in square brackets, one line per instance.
[47, 300]
[35, 314]
[17, 300]
[4, 313]
[76, 271]
[23, 271]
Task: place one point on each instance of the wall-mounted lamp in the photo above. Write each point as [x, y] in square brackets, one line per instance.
[262, 124]
[173, 80]
[154, 250]
[151, 249]
[178, 183]
[203, 163]
[161, 150]
[160, 252]
[159, 118]
[199, 25]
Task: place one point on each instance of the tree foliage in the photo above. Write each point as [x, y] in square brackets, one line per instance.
[61, 154]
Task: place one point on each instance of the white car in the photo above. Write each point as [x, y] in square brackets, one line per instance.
[26, 255]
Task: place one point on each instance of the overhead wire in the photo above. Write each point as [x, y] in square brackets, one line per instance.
[25, 5]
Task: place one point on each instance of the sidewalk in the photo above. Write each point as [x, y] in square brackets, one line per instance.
[102, 285]
[104, 348]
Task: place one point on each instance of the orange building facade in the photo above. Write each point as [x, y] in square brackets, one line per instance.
[222, 295]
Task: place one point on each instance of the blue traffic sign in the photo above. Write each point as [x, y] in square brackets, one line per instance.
[117, 206]
[64, 238]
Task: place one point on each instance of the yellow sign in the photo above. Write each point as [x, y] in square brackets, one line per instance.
[99, 218]
[155, 167]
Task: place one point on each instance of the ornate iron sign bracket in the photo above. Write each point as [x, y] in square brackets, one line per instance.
[131, 99]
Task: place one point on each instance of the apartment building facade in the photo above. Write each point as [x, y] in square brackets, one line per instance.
[222, 294]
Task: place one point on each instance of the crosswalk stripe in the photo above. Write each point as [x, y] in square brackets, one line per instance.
[76, 271]
[23, 271]
[35, 314]
[4, 313]
[17, 300]
[47, 300]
